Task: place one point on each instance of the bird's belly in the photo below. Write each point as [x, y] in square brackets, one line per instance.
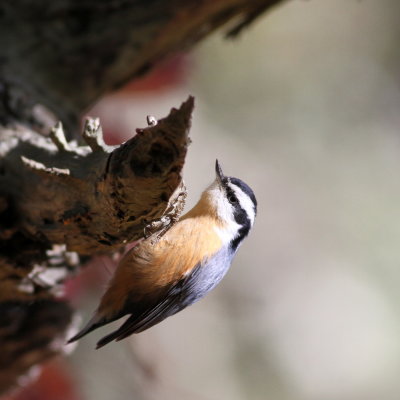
[205, 276]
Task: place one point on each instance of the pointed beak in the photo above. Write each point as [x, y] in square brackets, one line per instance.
[220, 175]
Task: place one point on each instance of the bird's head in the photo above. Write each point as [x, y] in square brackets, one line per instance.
[233, 204]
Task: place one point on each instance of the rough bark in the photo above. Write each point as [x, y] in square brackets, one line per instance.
[60, 201]
[92, 198]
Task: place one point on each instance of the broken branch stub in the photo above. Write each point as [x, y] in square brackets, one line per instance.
[96, 198]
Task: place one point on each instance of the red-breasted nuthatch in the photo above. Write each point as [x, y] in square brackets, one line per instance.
[156, 280]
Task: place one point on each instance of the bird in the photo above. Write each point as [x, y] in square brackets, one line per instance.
[155, 280]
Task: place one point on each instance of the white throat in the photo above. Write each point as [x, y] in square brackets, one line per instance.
[229, 228]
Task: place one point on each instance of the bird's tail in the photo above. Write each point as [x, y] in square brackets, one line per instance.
[107, 339]
[95, 322]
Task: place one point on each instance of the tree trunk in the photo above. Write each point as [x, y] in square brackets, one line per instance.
[62, 202]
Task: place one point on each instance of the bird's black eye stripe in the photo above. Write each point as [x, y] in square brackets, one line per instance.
[231, 195]
[243, 220]
[245, 189]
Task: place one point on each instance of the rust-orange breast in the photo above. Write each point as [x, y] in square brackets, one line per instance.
[148, 268]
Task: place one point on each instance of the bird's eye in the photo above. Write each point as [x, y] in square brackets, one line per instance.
[232, 199]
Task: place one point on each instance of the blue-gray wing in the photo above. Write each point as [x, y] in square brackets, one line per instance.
[174, 298]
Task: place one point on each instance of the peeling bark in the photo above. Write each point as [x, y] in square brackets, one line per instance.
[93, 198]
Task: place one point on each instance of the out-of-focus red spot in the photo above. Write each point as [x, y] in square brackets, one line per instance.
[93, 277]
[54, 383]
[167, 74]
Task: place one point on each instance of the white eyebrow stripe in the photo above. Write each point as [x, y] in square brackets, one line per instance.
[244, 201]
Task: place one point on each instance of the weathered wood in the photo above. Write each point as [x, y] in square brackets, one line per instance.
[93, 198]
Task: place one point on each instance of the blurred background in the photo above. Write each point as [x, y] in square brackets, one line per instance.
[304, 107]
